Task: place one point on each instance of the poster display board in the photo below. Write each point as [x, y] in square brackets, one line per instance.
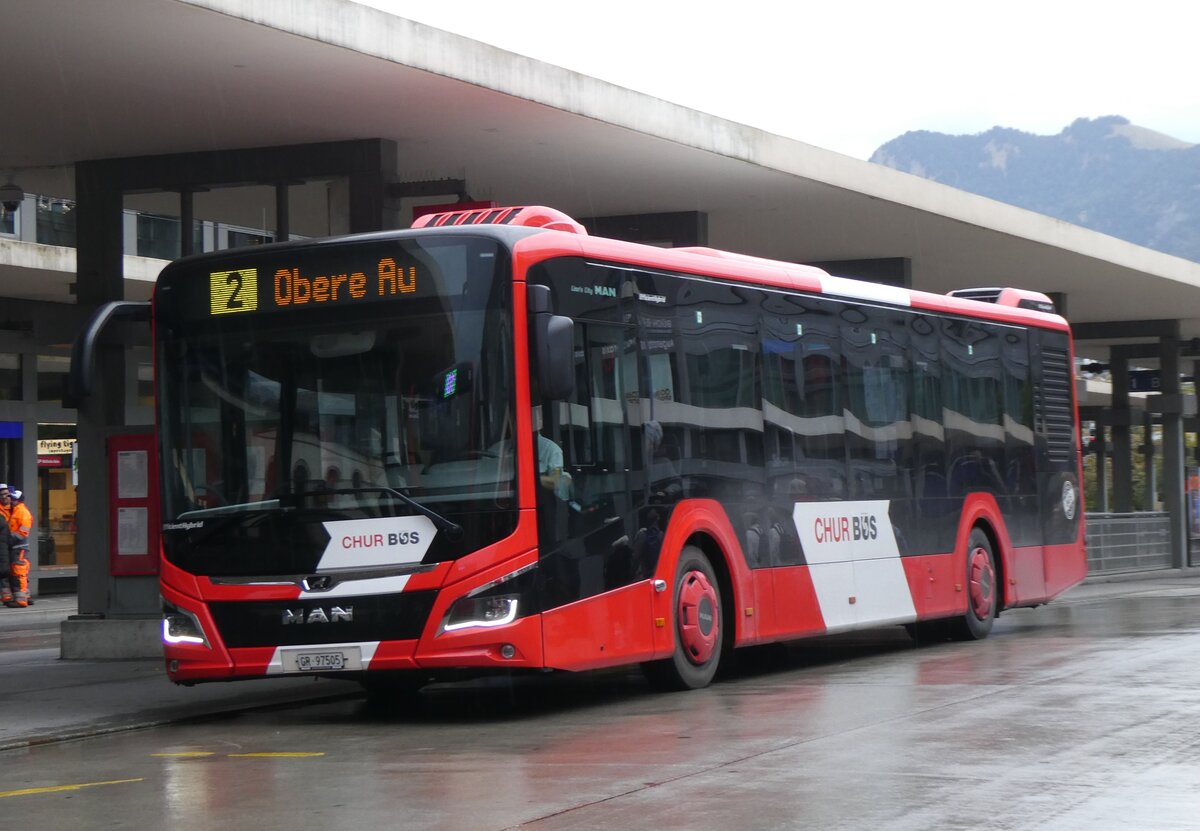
[133, 505]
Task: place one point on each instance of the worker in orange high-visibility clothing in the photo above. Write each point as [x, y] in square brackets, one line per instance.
[20, 523]
[6, 579]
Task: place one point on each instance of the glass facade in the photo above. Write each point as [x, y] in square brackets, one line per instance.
[157, 236]
[52, 373]
[10, 377]
[240, 237]
[56, 221]
[51, 221]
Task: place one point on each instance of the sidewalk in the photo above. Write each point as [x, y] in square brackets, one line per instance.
[62, 700]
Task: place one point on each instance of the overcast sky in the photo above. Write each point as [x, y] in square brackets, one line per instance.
[848, 75]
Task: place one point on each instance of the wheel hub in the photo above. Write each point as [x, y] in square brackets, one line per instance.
[697, 616]
[982, 578]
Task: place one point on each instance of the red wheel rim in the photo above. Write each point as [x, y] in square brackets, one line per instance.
[982, 578]
[697, 616]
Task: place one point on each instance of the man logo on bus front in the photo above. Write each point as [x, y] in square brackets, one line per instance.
[336, 614]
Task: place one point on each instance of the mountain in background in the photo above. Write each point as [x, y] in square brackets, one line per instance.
[1105, 174]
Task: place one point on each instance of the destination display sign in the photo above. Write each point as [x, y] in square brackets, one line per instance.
[238, 290]
[324, 276]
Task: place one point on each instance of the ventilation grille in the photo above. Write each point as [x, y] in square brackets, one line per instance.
[983, 295]
[1057, 418]
[529, 217]
[480, 216]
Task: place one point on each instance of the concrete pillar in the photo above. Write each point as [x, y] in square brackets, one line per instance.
[187, 218]
[1150, 492]
[99, 279]
[1196, 396]
[1101, 446]
[282, 212]
[1122, 450]
[1173, 450]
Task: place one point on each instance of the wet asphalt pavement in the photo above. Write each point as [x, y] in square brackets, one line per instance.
[1084, 714]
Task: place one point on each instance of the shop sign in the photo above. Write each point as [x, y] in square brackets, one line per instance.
[55, 447]
[50, 461]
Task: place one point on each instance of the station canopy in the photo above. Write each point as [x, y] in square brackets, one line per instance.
[121, 78]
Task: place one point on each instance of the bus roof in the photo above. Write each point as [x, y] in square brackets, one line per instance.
[534, 233]
[1008, 305]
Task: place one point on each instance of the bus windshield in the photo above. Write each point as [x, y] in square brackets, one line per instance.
[374, 410]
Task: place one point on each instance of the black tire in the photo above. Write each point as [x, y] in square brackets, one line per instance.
[698, 623]
[982, 589]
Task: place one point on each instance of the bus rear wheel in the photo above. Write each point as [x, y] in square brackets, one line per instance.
[699, 624]
[983, 591]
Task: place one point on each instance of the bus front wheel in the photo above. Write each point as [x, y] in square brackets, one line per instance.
[982, 588]
[699, 624]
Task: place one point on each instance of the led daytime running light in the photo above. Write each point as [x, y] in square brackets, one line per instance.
[510, 614]
[180, 626]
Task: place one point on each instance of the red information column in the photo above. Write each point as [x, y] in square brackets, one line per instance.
[133, 505]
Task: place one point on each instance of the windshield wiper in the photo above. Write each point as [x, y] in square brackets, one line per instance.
[453, 530]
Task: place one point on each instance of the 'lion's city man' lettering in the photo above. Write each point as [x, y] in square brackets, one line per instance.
[295, 289]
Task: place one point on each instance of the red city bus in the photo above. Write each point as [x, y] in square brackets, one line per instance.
[493, 442]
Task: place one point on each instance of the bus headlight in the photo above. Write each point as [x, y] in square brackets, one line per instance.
[494, 604]
[181, 626]
[496, 610]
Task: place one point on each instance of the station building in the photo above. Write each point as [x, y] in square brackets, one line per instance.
[236, 123]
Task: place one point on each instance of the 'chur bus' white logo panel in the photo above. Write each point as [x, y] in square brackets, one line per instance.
[854, 563]
[385, 541]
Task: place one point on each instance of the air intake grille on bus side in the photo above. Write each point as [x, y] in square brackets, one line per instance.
[1055, 403]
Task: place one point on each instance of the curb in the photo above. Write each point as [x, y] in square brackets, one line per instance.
[30, 617]
[1140, 576]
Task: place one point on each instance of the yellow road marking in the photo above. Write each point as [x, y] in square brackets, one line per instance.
[185, 754]
[60, 788]
[273, 755]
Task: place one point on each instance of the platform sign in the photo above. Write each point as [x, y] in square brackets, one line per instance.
[1145, 380]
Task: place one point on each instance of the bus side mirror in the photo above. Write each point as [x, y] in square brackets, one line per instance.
[553, 345]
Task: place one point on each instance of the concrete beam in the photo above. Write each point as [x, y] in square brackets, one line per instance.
[1119, 329]
[679, 228]
[890, 271]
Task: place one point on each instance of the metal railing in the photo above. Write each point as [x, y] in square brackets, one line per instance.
[1128, 542]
